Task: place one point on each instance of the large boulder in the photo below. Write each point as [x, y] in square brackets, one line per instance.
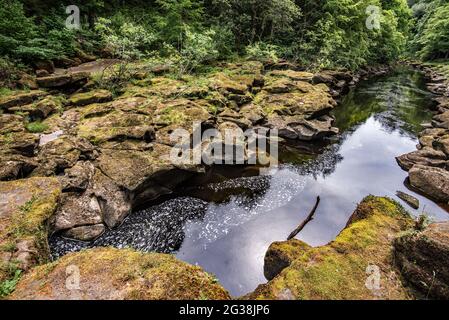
[112, 274]
[433, 182]
[346, 268]
[423, 260]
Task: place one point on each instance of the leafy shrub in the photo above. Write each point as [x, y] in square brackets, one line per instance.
[197, 48]
[8, 286]
[263, 51]
[127, 41]
[36, 127]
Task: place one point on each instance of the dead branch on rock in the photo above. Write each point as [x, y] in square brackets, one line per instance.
[306, 221]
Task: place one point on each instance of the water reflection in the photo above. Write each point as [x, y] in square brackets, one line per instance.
[379, 121]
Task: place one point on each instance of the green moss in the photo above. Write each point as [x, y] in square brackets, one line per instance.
[122, 274]
[36, 127]
[338, 270]
[27, 221]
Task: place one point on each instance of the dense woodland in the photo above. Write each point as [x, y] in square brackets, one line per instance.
[190, 33]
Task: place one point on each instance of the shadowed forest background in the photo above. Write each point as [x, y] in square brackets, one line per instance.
[189, 34]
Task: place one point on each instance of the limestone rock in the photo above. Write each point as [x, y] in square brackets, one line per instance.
[112, 274]
[85, 233]
[422, 258]
[410, 200]
[62, 80]
[426, 156]
[82, 99]
[433, 182]
[21, 99]
[77, 210]
[364, 245]
[25, 207]
[281, 254]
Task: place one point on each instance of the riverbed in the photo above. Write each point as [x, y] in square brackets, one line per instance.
[226, 226]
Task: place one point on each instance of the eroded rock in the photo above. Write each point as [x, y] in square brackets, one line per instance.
[422, 258]
[433, 182]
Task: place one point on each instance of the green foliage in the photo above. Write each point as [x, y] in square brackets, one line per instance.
[8, 286]
[430, 29]
[263, 51]
[125, 41]
[197, 49]
[36, 127]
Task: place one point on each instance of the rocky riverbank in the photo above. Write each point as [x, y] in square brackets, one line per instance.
[428, 167]
[101, 155]
[111, 153]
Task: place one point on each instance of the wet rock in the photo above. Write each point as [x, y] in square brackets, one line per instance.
[41, 73]
[410, 200]
[85, 233]
[422, 258]
[426, 156]
[77, 210]
[364, 245]
[433, 182]
[112, 274]
[229, 115]
[25, 207]
[83, 99]
[442, 144]
[131, 169]
[26, 254]
[303, 99]
[280, 255]
[46, 138]
[308, 130]
[21, 99]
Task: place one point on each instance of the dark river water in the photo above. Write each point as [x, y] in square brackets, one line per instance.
[226, 227]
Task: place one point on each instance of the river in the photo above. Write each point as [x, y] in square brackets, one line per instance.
[227, 226]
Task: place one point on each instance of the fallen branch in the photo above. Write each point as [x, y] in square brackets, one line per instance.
[306, 221]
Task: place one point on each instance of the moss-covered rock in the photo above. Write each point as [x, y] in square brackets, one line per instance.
[85, 98]
[25, 207]
[340, 270]
[112, 274]
[21, 99]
